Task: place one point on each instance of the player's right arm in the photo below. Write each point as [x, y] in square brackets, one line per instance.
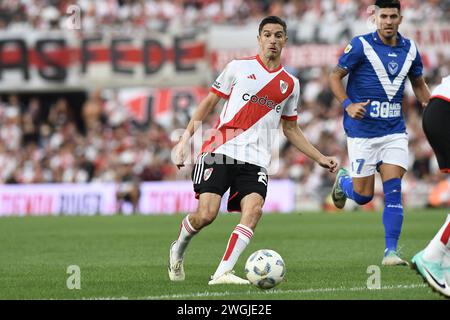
[355, 110]
[221, 88]
[200, 113]
[349, 60]
[337, 87]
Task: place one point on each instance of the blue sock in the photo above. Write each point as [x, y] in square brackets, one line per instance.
[346, 184]
[393, 212]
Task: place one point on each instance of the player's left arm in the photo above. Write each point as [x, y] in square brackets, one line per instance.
[296, 137]
[421, 90]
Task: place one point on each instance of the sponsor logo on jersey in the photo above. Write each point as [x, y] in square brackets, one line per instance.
[283, 86]
[393, 67]
[207, 173]
[263, 101]
[216, 84]
[348, 48]
[392, 54]
[385, 109]
[252, 76]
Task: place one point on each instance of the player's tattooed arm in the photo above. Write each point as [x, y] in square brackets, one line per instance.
[336, 84]
[340, 72]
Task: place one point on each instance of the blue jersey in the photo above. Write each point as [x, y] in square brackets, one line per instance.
[377, 72]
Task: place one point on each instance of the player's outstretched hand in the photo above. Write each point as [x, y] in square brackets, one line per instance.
[329, 163]
[181, 153]
[357, 110]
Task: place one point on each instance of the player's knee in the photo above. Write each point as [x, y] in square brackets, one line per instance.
[393, 194]
[251, 216]
[361, 199]
[255, 211]
[363, 192]
[203, 217]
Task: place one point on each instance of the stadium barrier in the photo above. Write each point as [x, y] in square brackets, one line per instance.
[171, 197]
[99, 199]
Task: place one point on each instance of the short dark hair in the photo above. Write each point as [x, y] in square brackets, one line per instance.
[275, 20]
[388, 4]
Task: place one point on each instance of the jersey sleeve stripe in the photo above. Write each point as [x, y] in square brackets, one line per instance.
[340, 65]
[289, 118]
[219, 93]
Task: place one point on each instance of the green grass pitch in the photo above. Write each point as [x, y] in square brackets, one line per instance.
[125, 257]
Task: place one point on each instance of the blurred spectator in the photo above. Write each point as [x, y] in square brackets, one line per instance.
[164, 15]
[59, 114]
[93, 110]
[128, 189]
[440, 194]
[30, 123]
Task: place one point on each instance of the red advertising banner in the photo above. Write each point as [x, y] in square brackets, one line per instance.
[45, 61]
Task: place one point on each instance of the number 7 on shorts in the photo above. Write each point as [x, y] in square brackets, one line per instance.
[360, 164]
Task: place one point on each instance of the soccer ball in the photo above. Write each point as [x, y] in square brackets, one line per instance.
[265, 268]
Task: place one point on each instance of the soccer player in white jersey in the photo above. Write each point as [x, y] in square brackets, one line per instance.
[378, 65]
[260, 94]
[433, 263]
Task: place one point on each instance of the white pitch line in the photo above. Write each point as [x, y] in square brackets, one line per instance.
[272, 292]
[206, 294]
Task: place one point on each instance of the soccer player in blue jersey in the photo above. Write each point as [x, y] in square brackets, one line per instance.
[377, 65]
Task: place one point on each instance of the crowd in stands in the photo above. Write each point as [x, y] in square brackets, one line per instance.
[97, 142]
[164, 15]
[46, 145]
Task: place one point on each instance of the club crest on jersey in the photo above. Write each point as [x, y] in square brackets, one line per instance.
[393, 67]
[283, 86]
[207, 173]
[348, 48]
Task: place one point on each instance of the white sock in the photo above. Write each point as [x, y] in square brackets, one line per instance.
[184, 236]
[440, 244]
[237, 243]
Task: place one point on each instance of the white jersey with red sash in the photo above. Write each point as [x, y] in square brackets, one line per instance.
[442, 91]
[257, 100]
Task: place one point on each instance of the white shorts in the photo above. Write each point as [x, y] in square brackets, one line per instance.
[367, 154]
